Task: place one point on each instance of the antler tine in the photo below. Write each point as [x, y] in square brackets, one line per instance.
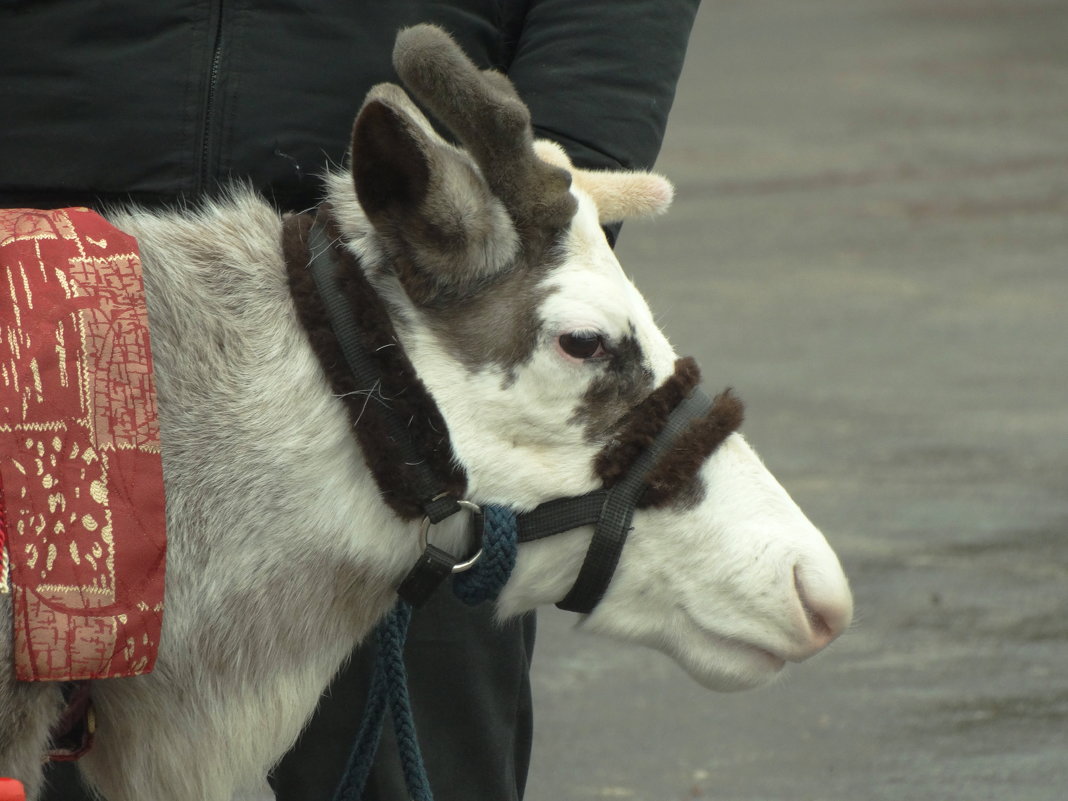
[484, 111]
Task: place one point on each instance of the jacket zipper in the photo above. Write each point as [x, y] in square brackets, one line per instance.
[207, 130]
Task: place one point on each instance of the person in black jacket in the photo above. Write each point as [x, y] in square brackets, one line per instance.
[164, 102]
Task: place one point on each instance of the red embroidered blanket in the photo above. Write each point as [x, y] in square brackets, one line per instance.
[82, 538]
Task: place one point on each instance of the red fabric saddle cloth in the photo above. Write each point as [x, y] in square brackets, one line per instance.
[82, 532]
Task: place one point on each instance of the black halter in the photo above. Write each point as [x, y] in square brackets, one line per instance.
[610, 510]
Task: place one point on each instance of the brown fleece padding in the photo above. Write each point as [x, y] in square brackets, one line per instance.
[676, 473]
[404, 391]
[640, 425]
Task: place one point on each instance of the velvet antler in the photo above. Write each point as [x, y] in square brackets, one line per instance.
[483, 110]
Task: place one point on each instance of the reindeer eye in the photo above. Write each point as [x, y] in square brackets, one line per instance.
[583, 345]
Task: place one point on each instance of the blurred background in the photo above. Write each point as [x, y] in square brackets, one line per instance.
[870, 242]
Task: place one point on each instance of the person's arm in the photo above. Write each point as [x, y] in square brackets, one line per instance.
[599, 77]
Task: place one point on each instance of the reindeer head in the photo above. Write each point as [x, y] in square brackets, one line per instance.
[542, 355]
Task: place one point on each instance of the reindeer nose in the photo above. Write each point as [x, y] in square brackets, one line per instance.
[828, 607]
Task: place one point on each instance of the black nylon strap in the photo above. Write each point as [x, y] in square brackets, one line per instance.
[555, 517]
[426, 575]
[613, 526]
[324, 268]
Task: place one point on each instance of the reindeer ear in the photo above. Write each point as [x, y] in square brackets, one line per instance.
[622, 195]
[434, 214]
[389, 165]
[618, 194]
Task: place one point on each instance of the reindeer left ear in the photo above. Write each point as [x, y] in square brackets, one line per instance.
[427, 202]
[622, 195]
[618, 194]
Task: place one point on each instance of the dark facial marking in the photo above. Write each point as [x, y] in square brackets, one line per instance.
[636, 428]
[501, 324]
[621, 382]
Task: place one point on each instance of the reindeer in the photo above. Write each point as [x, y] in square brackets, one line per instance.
[535, 366]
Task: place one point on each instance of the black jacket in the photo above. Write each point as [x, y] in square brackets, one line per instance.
[156, 100]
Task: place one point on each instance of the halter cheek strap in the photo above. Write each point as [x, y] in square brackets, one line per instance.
[614, 522]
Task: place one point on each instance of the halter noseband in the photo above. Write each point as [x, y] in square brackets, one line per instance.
[610, 510]
[310, 247]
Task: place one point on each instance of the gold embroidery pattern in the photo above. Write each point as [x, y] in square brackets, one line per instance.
[79, 448]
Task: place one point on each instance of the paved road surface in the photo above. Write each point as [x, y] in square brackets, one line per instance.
[870, 243]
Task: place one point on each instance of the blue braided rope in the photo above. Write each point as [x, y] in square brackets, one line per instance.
[400, 707]
[487, 578]
[389, 683]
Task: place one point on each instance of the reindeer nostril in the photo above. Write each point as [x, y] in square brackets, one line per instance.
[827, 616]
[815, 619]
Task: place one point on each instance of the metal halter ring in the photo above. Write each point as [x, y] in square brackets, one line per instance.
[424, 531]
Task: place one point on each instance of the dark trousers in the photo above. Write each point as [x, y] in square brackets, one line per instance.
[469, 682]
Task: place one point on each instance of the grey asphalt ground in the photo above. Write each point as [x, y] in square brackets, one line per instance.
[870, 242]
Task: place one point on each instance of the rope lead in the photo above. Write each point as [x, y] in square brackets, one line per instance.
[389, 683]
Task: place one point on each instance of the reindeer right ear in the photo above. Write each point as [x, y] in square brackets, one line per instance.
[434, 214]
[389, 167]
